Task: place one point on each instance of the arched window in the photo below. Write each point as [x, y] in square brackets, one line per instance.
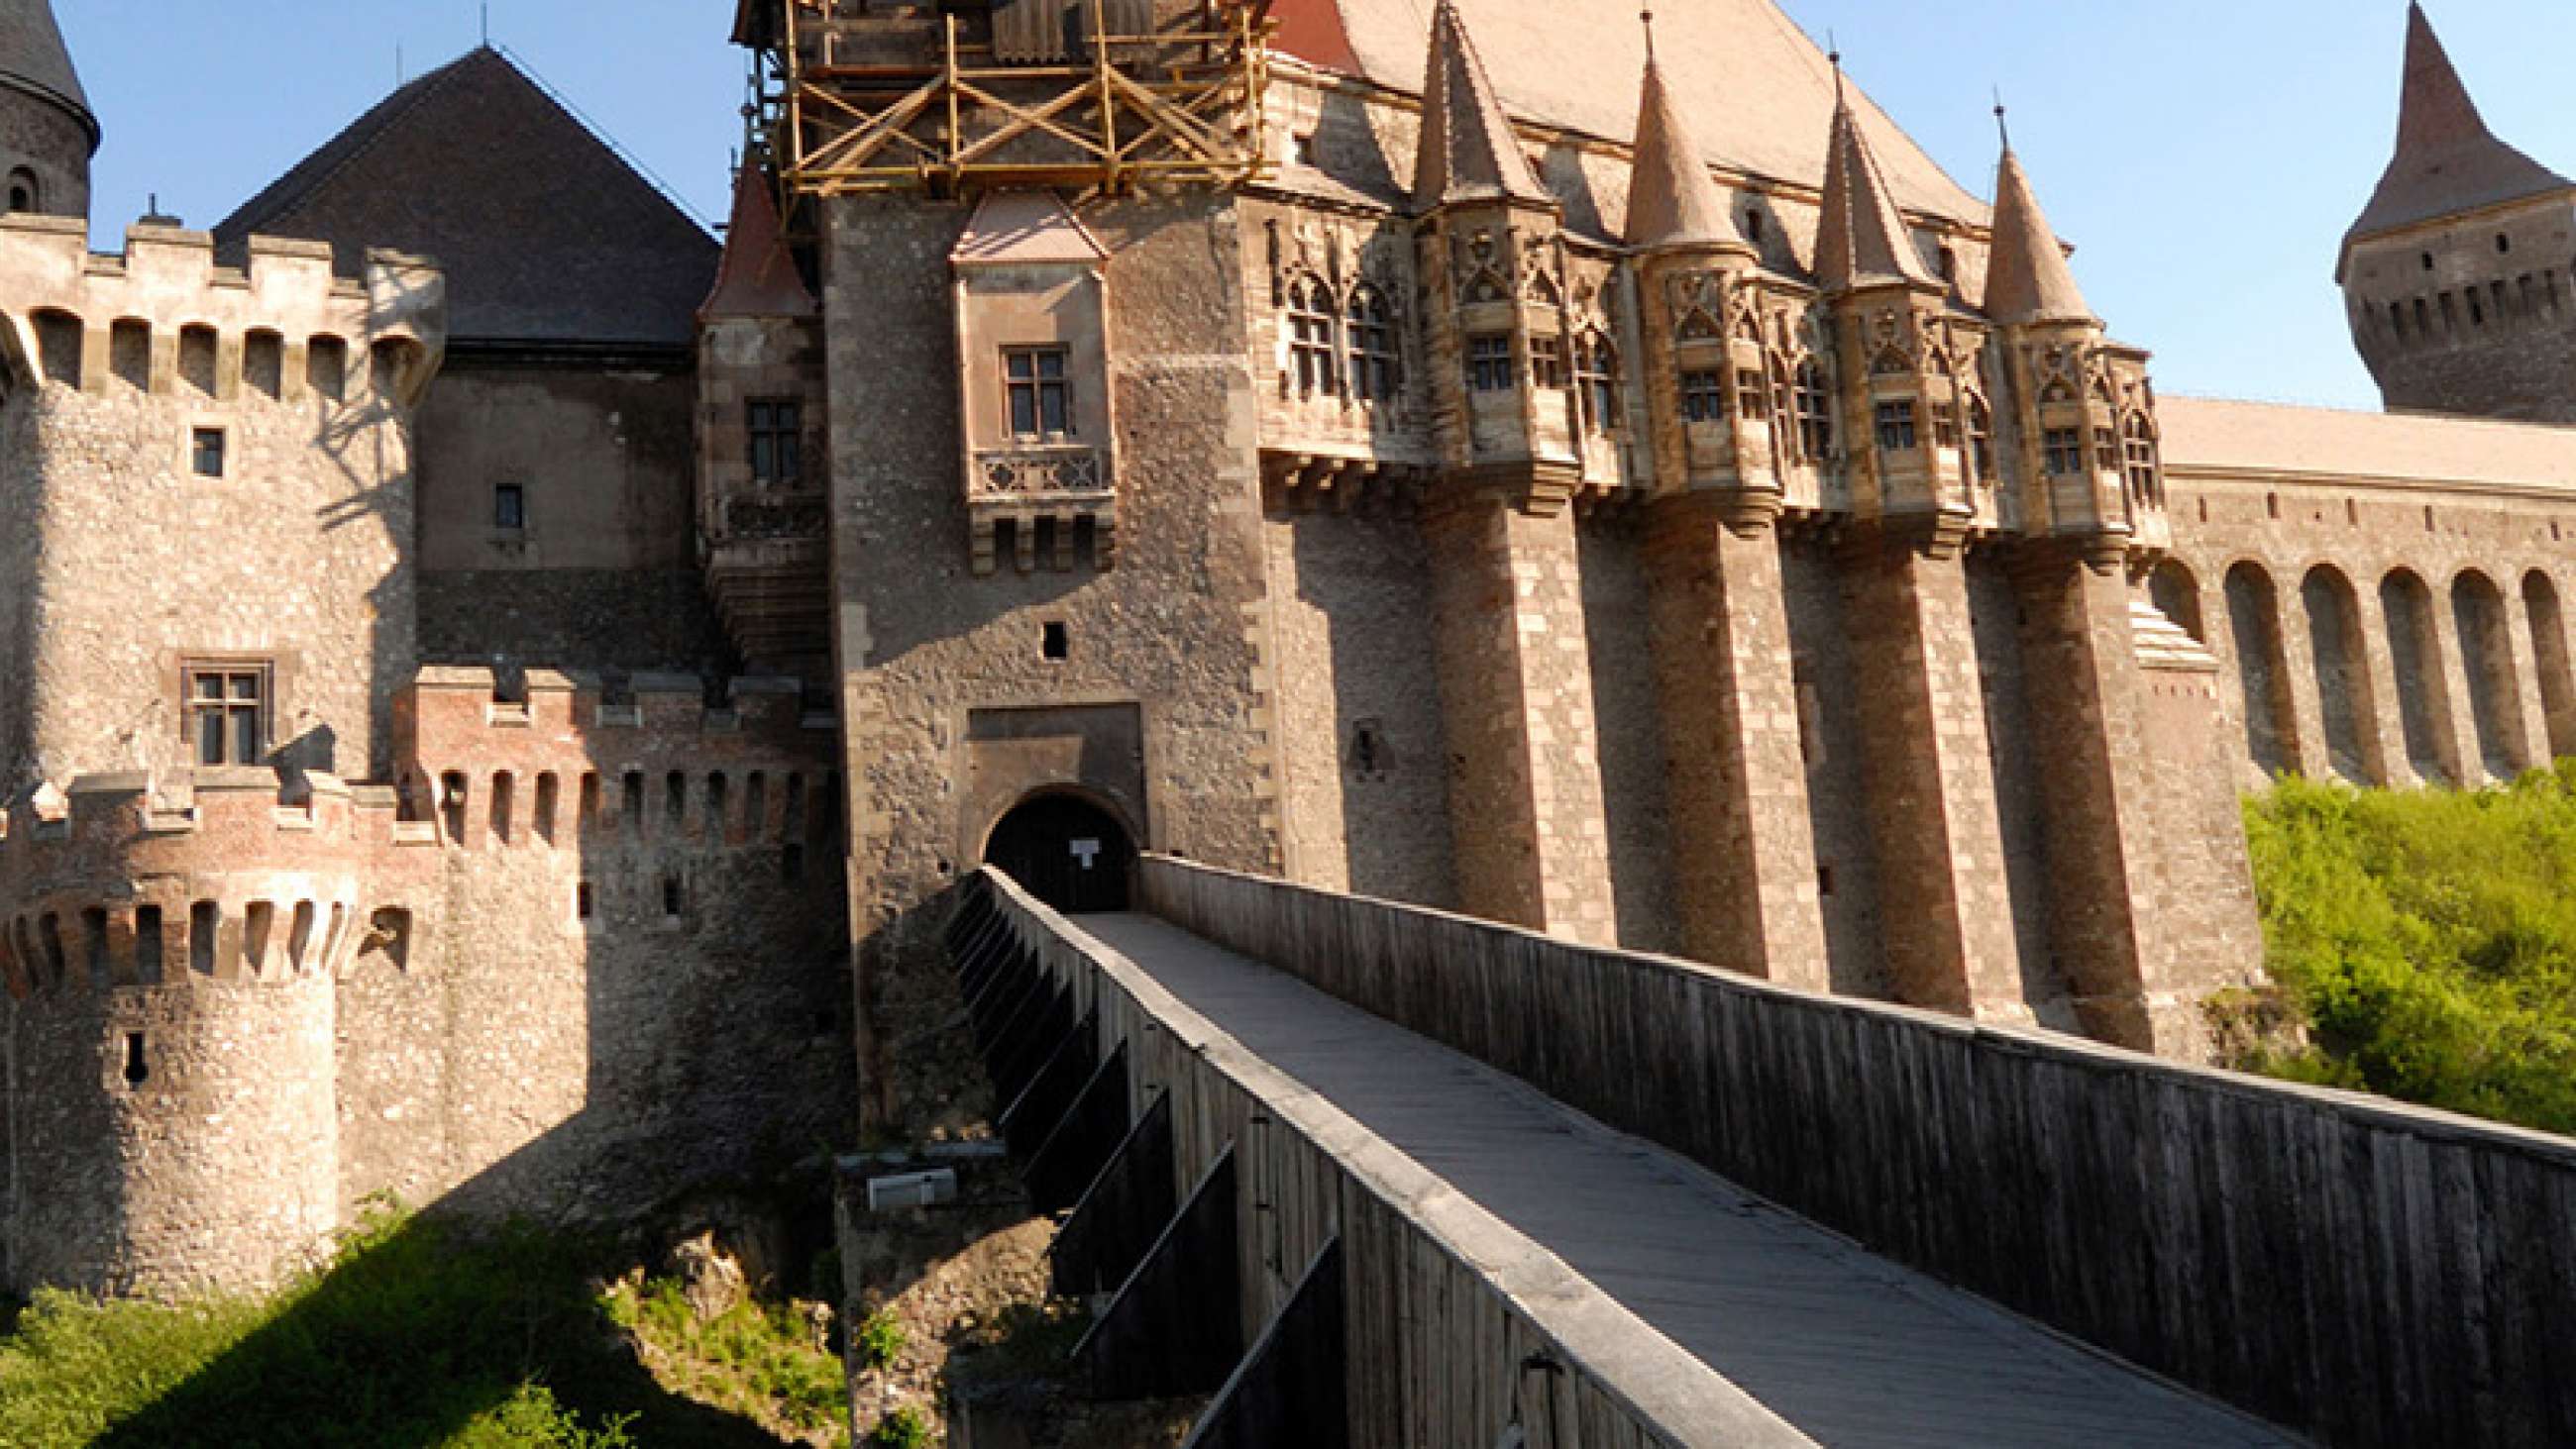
[1371, 323]
[1813, 404]
[1310, 337]
[2138, 456]
[24, 192]
[1596, 381]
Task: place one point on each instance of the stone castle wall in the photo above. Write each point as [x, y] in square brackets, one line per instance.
[49, 143]
[603, 964]
[2474, 315]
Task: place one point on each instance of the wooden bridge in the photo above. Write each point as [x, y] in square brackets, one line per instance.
[1351, 1234]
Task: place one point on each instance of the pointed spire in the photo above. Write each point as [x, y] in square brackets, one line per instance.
[1672, 200]
[2027, 279]
[756, 278]
[1468, 152]
[1862, 238]
[2447, 160]
[33, 58]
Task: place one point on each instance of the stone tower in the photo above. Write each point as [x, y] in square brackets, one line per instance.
[2456, 277]
[47, 133]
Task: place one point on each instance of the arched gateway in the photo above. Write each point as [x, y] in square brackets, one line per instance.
[1068, 852]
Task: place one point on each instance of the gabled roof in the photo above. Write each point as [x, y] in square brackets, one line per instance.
[1861, 239]
[1672, 200]
[2447, 161]
[1021, 227]
[545, 234]
[1757, 93]
[757, 278]
[2027, 279]
[1468, 152]
[33, 58]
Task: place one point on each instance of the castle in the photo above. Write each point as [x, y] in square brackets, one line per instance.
[497, 686]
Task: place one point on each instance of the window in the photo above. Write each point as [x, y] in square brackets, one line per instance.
[1945, 425]
[1703, 397]
[2504, 244]
[1596, 381]
[1489, 363]
[1372, 341]
[1547, 361]
[1896, 426]
[206, 452]
[1055, 641]
[1040, 395]
[509, 506]
[227, 712]
[1751, 395]
[24, 194]
[2065, 450]
[1814, 407]
[1981, 438]
[777, 428]
[1310, 338]
[2106, 450]
[2141, 459]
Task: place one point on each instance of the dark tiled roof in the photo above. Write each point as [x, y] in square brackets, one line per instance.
[2447, 161]
[33, 57]
[546, 235]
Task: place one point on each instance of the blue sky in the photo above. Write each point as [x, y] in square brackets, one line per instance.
[2205, 155]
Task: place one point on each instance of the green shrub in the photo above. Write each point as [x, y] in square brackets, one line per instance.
[905, 1428]
[880, 1340]
[2428, 939]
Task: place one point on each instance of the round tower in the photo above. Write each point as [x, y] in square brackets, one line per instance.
[47, 133]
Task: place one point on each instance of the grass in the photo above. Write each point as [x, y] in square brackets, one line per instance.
[758, 1359]
[2427, 941]
[418, 1335]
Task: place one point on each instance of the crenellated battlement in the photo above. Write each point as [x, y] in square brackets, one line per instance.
[165, 316]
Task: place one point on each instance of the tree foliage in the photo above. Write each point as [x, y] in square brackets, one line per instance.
[2428, 940]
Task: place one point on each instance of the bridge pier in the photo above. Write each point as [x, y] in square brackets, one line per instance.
[1128, 1202]
[1293, 1390]
[1175, 1330]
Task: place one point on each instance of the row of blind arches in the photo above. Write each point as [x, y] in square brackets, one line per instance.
[62, 340]
[2421, 640]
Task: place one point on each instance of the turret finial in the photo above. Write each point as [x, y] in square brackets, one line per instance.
[2002, 126]
[1648, 16]
[1834, 53]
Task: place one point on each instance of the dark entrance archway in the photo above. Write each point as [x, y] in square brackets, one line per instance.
[1068, 852]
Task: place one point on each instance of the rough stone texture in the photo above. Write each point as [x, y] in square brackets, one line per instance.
[2473, 314]
[611, 620]
[49, 144]
[603, 458]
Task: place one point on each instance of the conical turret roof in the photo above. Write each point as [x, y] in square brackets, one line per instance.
[33, 58]
[756, 277]
[2447, 161]
[1672, 199]
[2027, 279]
[1862, 238]
[1468, 152]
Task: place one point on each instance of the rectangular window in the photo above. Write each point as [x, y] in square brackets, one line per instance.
[1945, 427]
[1547, 361]
[1703, 397]
[1489, 363]
[2065, 449]
[206, 452]
[1041, 396]
[1752, 395]
[1896, 427]
[777, 440]
[509, 506]
[227, 712]
[2106, 450]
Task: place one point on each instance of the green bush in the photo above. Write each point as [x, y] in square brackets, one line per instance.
[880, 1340]
[2428, 939]
[905, 1428]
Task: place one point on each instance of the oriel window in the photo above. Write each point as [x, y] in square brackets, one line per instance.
[1372, 342]
[1815, 409]
[1981, 438]
[1489, 363]
[1703, 397]
[2065, 451]
[227, 708]
[777, 440]
[1596, 379]
[1310, 338]
[1897, 432]
[2141, 451]
[1041, 396]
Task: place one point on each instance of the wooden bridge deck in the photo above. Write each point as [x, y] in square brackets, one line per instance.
[1850, 1348]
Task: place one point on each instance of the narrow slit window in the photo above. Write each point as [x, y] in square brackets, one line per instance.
[138, 1067]
[147, 944]
[205, 920]
[510, 507]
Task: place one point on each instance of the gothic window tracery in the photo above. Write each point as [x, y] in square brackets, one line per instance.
[2140, 455]
[2064, 450]
[1898, 431]
[1489, 363]
[1703, 396]
[1311, 345]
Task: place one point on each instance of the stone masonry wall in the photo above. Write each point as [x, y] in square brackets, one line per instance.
[1176, 630]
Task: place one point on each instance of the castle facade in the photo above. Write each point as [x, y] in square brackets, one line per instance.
[498, 687]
